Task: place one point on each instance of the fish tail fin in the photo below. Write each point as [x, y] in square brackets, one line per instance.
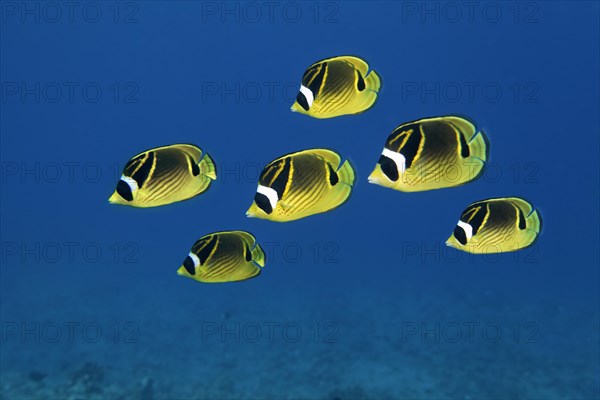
[258, 255]
[346, 173]
[478, 146]
[373, 81]
[208, 167]
[343, 190]
[534, 222]
[368, 97]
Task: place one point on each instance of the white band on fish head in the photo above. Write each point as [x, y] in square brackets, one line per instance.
[398, 158]
[271, 194]
[307, 94]
[467, 228]
[130, 182]
[195, 259]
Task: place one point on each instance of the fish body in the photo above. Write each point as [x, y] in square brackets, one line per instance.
[301, 184]
[164, 175]
[227, 256]
[337, 86]
[431, 153]
[496, 226]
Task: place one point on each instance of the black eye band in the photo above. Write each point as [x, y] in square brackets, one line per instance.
[389, 168]
[301, 99]
[460, 235]
[263, 203]
[189, 266]
[124, 190]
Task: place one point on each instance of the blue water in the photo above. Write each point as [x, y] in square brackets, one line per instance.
[362, 302]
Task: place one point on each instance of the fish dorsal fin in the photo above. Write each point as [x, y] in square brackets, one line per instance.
[192, 150]
[330, 156]
[361, 65]
[522, 204]
[246, 237]
[462, 125]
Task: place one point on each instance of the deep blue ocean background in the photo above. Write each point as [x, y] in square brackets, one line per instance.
[362, 302]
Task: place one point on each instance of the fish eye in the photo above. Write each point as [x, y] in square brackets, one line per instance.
[124, 190]
[263, 203]
[460, 235]
[389, 168]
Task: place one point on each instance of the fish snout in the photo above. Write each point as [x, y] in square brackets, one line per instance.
[373, 179]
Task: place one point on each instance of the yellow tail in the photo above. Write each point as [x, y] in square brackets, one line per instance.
[373, 81]
[478, 146]
[258, 255]
[208, 167]
[367, 98]
[534, 222]
[346, 173]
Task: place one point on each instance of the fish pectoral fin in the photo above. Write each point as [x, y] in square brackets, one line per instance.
[285, 206]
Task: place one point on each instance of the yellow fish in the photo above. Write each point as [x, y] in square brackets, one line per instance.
[164, 175]
[300, 184]
[228, 256]
[337, 86]
[496, 226]
[431, 153]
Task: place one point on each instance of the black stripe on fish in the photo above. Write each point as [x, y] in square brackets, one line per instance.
[189, 266]
[522, 221]
[141, 175]
[360, 83]
[282, 177]
[460, 235]
[247, 253]
[194, 165]
[124, 190]
[263, 203]
[464, 147]
[474, 215]
[131, 165]
[207, 246]
[309, 74]
[317, 82]
[389, 168]
[411, 146]
[333, 176]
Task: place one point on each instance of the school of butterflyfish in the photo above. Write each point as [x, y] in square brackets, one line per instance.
[314, 181]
